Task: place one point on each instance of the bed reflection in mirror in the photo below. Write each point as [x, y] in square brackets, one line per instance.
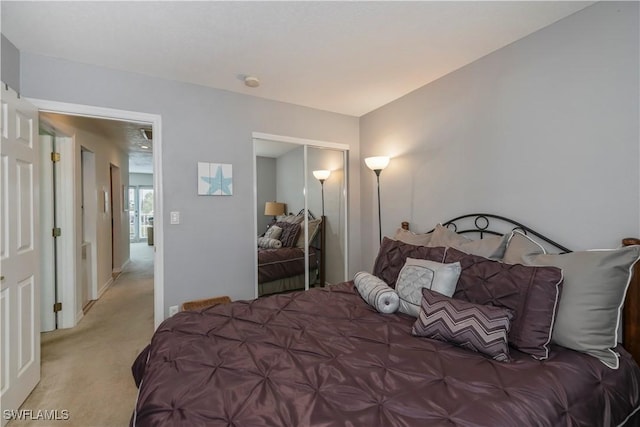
[300, 221]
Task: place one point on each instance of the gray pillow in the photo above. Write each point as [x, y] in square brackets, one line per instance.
[411, 238]
[589, 311]
[490, 247]
[376, 292]
[519, 246]
[420, 273]
[313, 230]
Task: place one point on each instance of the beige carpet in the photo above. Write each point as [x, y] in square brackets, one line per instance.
[87, 370]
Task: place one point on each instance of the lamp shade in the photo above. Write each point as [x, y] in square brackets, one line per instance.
[321, 175]
[377, 163]
[274, 208]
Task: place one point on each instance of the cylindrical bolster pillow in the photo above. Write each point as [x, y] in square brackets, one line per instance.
[376, 293]
[267, 243]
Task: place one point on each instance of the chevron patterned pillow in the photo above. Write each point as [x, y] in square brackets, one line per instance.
[481, 328]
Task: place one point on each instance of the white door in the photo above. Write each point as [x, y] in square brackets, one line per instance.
[19, 261]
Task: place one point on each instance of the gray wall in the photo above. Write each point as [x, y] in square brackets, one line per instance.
[544, 131]
[208, 253]
[10, 67]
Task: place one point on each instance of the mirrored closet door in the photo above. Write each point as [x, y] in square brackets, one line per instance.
[301, 214]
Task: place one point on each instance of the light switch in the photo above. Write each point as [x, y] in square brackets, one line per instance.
[175, 217]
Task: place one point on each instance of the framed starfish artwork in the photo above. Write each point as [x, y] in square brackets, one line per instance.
[215, 179]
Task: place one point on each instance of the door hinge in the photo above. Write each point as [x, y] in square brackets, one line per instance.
[55, 157]
[57, 307]
[56, 232]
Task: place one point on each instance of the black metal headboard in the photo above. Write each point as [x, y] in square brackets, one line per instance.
[311, 215]
[481, 224]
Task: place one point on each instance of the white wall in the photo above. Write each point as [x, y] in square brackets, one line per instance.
[544, 130]
[208, 254]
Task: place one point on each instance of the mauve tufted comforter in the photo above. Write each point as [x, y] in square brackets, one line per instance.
[275, 264]
[326, 358]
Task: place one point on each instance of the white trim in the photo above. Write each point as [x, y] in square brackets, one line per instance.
[547, 345]
[156, 122]
[305, 185]
[47, 298]
[67, 261]
[119, 270]
[300, 141]
[79, 316]
[255, 220]
[544, 251]
[345, 195]
[105, 287]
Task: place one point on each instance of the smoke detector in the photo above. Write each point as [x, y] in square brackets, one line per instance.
[251, 81]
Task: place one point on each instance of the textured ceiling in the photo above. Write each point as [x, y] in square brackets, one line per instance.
[347, 57]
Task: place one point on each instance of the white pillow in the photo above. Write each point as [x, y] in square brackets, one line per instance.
[376, 292]
[267, 243]
[420, 273]
[273, 232]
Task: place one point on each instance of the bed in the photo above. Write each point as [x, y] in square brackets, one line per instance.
[282, 269]
[326, 357]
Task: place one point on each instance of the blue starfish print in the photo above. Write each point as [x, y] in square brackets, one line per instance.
[218, 184]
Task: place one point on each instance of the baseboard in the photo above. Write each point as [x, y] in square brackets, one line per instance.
[104, 287]
[117, 271]
[87, 307]
[79, 316]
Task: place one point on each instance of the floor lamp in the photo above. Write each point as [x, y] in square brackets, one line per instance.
[376, 164]
[322, 175]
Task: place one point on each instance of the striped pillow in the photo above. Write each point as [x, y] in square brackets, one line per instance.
[289, 235]
[481, 328]
[376, 292]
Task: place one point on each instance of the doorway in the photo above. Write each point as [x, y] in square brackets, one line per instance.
[141, 214]
[154, 122]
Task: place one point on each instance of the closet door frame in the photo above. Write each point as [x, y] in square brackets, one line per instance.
[344, 148]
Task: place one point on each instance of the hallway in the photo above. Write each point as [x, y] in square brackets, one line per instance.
[86, 370]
